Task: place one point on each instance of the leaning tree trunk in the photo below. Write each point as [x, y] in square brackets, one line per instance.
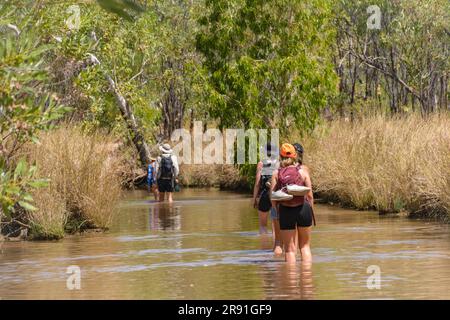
[128, 116]
[1, 219]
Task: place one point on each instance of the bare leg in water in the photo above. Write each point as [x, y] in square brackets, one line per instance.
[306, 281]
[155, 191]
[276, 237]
[288, 238]
[304, 239]
[169, 196]
[263, 216]
[276, 232]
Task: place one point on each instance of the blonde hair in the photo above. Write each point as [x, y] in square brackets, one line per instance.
[286, 162]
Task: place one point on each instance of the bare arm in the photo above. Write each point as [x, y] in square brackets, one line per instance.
[157, 167]
[175, 165]
[273, 184]
[274, 181]
[309, 196]
[257, 182]
[304, 167]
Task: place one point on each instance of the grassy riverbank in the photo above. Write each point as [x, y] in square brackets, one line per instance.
[387, 164]
[226, 177]
[84, 182]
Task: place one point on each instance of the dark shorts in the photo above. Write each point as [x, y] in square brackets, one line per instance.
[264, 203]
[165, 185]
[292, 217]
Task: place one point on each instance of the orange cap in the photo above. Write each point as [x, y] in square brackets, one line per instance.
[287, 150]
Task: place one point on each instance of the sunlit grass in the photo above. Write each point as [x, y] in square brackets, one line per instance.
[388, 164]
[84, 181]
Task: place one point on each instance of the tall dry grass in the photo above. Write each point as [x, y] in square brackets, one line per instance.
[50, 218]
[389, 164]
[85, 184]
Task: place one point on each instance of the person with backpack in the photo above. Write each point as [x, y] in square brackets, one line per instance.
[300, 152]
[295, 212]
[261, 196]
[166, 172]
[151, 178]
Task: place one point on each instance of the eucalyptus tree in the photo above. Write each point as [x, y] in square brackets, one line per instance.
[268, 62]
[403, 63]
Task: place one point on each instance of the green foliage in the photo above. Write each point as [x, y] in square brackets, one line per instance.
[122, 7]
[269, 61]
[14, 186]
[125, 50]
[178, 75]
[26, 107]
[420, 32]
[400, 66]
[251, 63]
[249, 171]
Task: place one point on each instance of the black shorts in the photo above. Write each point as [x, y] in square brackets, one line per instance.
[292, 217]
[264, 203]
[165, 185]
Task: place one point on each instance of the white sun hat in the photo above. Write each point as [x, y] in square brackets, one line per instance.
[165, 148]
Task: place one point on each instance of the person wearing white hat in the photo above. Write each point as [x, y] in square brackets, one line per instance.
[166, 172]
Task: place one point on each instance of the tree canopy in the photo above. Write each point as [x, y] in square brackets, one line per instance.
[268, 62]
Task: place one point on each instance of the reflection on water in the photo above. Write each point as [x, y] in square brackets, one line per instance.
[164, 216]
[293, 282]
[206, 245]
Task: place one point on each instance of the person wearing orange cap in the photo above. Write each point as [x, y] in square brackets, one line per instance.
[295, 212]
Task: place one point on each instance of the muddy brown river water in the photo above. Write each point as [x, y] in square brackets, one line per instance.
[207, 246]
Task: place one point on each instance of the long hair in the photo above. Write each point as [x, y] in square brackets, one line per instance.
[286, 162]
[299, 149]
[300, 158]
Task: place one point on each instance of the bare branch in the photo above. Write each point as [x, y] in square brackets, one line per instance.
[373, 64]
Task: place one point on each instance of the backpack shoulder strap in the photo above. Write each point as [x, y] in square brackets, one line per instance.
[158, 165]
[300, 170]
[279, 177]
[172, 161]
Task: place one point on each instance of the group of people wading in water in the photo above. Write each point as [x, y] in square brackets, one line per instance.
[162, 174]
[291, 213]
[282, 189]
